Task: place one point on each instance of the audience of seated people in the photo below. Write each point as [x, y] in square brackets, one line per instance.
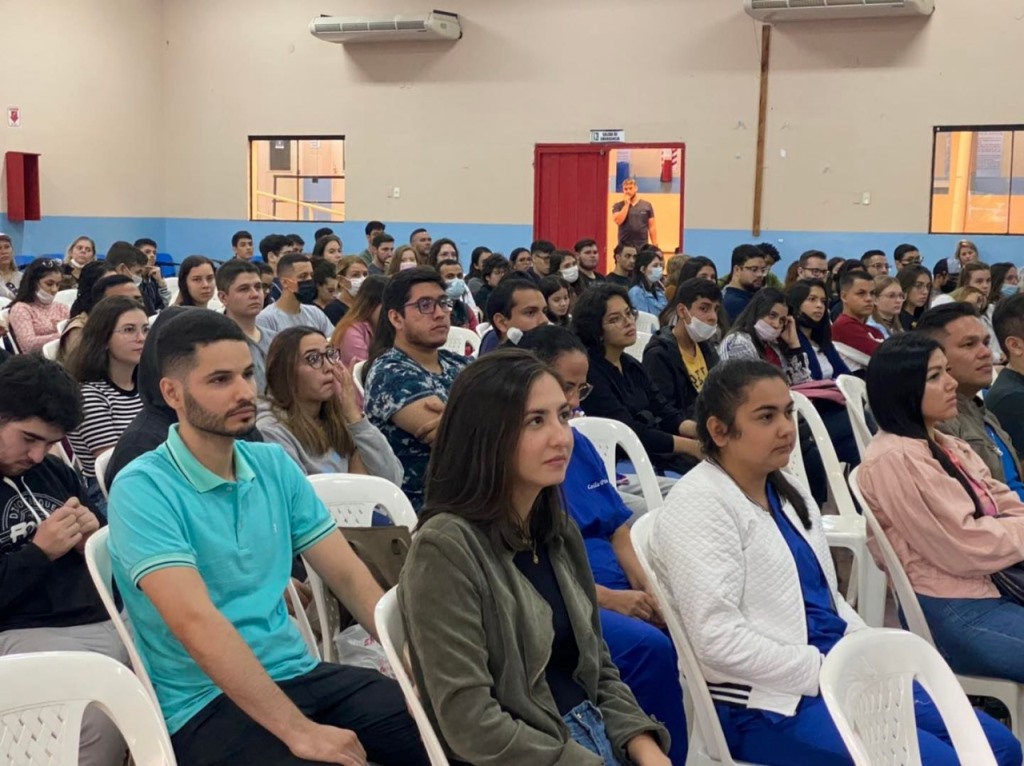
[743, 556]
[180, 427]
[496, 557]
[35, 311]
[105, 364]
[48, 602]
[409, 375]
[950, 522]
[197, 282]
[313, 410]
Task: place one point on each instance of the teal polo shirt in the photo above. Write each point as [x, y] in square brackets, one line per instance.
[167, 510]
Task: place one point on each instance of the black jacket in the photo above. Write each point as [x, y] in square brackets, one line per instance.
[34, 591]
[631, 398]
[664, 366]
[149, 428]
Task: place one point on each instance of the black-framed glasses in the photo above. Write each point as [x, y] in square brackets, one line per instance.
[430, 305]
[315, 359]
[582, 390]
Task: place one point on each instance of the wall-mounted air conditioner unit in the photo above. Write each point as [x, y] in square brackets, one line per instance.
[436, 25]
[774, 11]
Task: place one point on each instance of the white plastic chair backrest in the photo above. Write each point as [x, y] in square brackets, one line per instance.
[62, 324]
[67, 297]
[102, 461]
[302, 620]
[172, 284]
[45, 694]
[855, 391]
[691, 676]
[459, 338]
[215, 305]
[646, 322]
[351, 500]
[833, 468]
[906, 598]
[97, 560]
[50, 349]
[606, 434]
[867, 681]
[483, 328]
[357, 376]
[637, 349]
[391, 629]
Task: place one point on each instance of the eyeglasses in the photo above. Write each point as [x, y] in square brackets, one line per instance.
[757, 270]
[131, 330]
[430, 305]
[582, 390]
[816, 273]
[619, 319]
[315, 359]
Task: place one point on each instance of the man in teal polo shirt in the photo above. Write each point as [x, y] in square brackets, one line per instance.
[203, 531]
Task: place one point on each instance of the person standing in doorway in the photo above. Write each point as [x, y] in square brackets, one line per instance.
[634, 217]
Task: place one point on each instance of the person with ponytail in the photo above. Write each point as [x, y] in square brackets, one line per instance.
[742, 552]
[951, 524]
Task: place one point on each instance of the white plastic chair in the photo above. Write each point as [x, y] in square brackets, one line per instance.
[62, 324]
[357, 376]
[637, 349]
[855, 391]
[97, 560]
[301, 620]
[867, 681]
[100, 466]
[67, 297]
[707, 746]
[172, 284]
[482, 329]
[391, 629]
[1009, 693]
[351, 500]
[847, 528]
[215, 305]
[45, 695]
[647, 322]
[606, 435]
[459, 338]
[50, 349]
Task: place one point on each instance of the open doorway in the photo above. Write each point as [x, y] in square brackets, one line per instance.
[581, 192]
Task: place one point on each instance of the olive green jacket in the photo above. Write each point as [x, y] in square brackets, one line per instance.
[480, 639]
[969, 425]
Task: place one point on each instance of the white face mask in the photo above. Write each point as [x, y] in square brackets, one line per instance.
[136, 280]
[766, 332]
[79, 264]
[656, 273]
[700, 331]
[355, 284]
[571, 274]
[44, 297]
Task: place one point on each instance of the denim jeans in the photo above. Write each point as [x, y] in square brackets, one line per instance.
[978, 636]
[586, 726]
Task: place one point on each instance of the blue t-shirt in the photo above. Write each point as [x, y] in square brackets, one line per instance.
[396, 381]
[167, 510]
[595, 506]
[1013, 478]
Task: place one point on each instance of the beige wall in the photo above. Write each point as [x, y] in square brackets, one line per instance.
[143, 108]
[87, 76]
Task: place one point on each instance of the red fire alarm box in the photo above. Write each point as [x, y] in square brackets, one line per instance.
[23, 187]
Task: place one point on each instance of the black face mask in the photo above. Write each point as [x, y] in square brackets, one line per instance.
[805, 321]
[306, 292]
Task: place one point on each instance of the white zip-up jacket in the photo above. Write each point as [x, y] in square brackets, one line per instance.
[734, 583]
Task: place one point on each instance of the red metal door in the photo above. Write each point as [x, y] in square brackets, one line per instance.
[570, 194]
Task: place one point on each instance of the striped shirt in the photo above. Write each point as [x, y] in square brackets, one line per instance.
[108, 412]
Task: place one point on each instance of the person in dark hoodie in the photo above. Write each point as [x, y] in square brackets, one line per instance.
[47, 599]
[149, 428]
[679, 357]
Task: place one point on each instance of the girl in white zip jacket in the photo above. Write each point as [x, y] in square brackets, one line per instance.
[741, 549]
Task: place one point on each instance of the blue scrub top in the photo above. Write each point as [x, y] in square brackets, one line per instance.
[1013, 479]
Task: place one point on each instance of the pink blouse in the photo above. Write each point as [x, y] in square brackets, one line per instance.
[34, 325]
[355, 343]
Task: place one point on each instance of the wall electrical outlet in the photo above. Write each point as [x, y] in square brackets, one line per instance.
[396, 193]
[865, 198]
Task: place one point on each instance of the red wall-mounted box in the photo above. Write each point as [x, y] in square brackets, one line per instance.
[23, 187]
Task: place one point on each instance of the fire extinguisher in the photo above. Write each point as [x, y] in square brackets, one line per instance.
[666, 166]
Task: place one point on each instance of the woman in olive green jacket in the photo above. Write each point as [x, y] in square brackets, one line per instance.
[497, 594]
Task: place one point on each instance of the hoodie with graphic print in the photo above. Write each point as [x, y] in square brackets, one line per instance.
[34, 591]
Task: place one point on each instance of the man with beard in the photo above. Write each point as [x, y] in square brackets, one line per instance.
[421, 241]
[634, 217]
[749, 268]
[204, 529]
[410, 375]
[587, 256]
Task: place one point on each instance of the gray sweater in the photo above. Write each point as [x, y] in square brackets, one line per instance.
[373, 448]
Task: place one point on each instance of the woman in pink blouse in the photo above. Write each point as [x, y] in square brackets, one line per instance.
[35, 313]
[951, 524]
[354, 333]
